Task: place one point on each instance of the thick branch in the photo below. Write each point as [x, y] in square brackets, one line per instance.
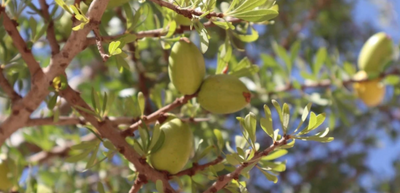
[76, 120]
[7, 88]
[140, 180]
[20, 112]
[107, 130]
[222, 181]
[158, 114]
[26, 54]
[195, 168]
[51, 36]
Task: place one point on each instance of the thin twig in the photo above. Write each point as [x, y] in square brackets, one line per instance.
[157, 32]
[99, 39]
[51, 36]
[7, 88]
[223, 180]
[195, 168]
[140, 180]
[158, 115]
[186, 12]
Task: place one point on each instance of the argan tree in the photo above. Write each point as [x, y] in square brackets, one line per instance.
[190, 96]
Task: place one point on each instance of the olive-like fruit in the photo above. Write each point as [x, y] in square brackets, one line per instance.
[182, 20]
[176, 149]
[223, 94]
[5, 181]
[376, 52]
[186, 67]
[371, 92]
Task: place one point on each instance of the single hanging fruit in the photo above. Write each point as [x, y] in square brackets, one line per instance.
[223, 94]
[186, 67]
[376, 52]
[371, 92]
[176, 149]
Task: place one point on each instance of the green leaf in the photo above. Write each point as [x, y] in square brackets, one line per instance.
[250, 124]
[323, 133]
[108, 145]
[32, 25]
[104, 103]
[248, 168]
[224, 55]
[253, 69]
[266, 123]
[224, 25]
[319, 60]
[93, 157]
[304, 116]
[269, 176]
[282, 53]
[85, 145]
[294, 50]
[159, 186]
[138, 148]
[100, 188]
[274, 166]
[204, 37]
[285, 117]
[78, 157]
[315, 138]
[144, 136]
[156, 134]
[279, 110]
[231, 159]
[392, 80]
[220, 140]
[113, 48]
[142, 102]
[159, 143]
[121, 63]
[95, 100]
[288, 145]
[314, 122]
[52, 102]
[259, 15]
[199, 156]
[249, 5]
[253, 36]
[275, 154]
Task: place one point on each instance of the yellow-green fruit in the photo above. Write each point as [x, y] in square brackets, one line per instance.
[176, 149]
[182, 20]
[371, 92]
[186, 67]
[5, 182]
[111, 4]
[223, 94]
[376, 52]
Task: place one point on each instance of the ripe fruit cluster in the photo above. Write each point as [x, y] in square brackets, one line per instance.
[219, 94]
[376, 52]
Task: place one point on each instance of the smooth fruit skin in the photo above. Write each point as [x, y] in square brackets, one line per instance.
[176, 149]
[371, 92]
[5, 182]
[223, 94]
[376, 52]
[186, 67]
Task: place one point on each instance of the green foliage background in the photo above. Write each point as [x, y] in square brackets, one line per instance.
[284, 57]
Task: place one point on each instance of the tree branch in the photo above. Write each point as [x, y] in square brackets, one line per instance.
[140, 180]
[99, 46]
[157, 32]
[51, 36]
[26, 54]
[195, 168]
[186, 12]
[223, 180]
[158, 115]
[40, 81]
[7, 88]
[107, 130]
